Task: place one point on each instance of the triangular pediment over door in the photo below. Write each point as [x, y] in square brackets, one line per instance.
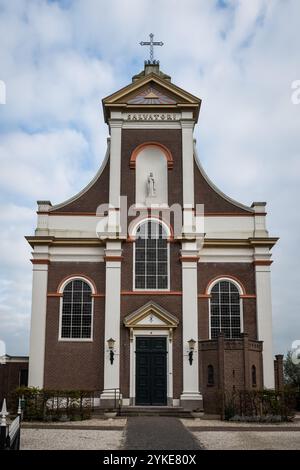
[151, 315]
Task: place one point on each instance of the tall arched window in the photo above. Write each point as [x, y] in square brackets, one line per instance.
[76, 310]
[151, 256]
[225, 310]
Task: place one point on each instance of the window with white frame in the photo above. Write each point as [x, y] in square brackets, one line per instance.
[151, 256]
[225, 310]
[76, 310]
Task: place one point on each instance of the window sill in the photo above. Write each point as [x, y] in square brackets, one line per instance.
[75, 340]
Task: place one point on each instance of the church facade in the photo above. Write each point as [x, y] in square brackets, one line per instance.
[151, 281]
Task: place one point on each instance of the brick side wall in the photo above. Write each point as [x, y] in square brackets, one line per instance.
[74, 365]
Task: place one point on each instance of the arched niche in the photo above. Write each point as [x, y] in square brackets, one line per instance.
[151, 161]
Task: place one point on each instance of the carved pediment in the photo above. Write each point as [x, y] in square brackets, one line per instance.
[151, 95]
[151, 91]
[151, 315]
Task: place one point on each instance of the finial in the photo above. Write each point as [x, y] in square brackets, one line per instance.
[19, 407]
[3, 413]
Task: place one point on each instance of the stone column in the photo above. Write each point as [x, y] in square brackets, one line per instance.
[38, 323]
[113, 259]
[278, 368]
[114, 176]
[115, 162]
[187, 126]
[191, 397]
[264, 318]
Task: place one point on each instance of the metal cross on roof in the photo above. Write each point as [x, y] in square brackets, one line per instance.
[151, 43]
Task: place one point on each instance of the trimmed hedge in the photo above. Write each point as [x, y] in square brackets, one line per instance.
[259, 405]
[53, 405]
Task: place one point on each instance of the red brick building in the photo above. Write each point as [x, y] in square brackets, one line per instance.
[135, 277]
[13, 374]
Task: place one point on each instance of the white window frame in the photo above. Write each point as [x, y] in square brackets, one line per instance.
[241, 292]
[167, 230]
[61, 291]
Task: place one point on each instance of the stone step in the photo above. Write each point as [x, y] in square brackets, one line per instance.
[128, 411]
[182, 414]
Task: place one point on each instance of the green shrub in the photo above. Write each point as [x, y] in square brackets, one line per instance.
[259, 405]
[52, 405]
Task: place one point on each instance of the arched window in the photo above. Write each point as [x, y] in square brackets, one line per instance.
[253, 376]
[225, 310]
[210, 375]
[76, 310]
[151, 256]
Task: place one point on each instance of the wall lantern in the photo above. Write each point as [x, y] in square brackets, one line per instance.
[111, 344]
[191, 344]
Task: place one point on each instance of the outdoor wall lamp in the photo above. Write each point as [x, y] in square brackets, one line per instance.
[191, 344]
[111, 344]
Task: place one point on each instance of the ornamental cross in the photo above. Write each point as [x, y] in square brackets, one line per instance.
[151, 43]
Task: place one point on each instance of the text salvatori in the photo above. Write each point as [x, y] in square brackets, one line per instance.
[152, 117]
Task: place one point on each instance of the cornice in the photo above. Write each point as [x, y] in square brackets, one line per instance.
[53, 241]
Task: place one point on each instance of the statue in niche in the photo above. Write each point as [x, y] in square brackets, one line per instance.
[151, 189]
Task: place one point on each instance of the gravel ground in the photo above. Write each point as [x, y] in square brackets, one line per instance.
[73, 439]
[196, 422]
[103, 423]
[249, 440]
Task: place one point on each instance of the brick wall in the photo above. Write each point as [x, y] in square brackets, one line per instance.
[232, 361]
[74, 365]
[10, 377]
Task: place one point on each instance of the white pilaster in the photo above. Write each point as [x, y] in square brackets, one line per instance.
[189, 260]
[188, 175]
[115, 162]
[38, 325]
[264, 320]
[112, 318]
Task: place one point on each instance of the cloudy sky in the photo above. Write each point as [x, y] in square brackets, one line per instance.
[58, 59]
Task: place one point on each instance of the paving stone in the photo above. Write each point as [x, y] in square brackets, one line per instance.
[158, 433]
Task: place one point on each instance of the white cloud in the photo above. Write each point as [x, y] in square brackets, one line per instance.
[34, 165]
